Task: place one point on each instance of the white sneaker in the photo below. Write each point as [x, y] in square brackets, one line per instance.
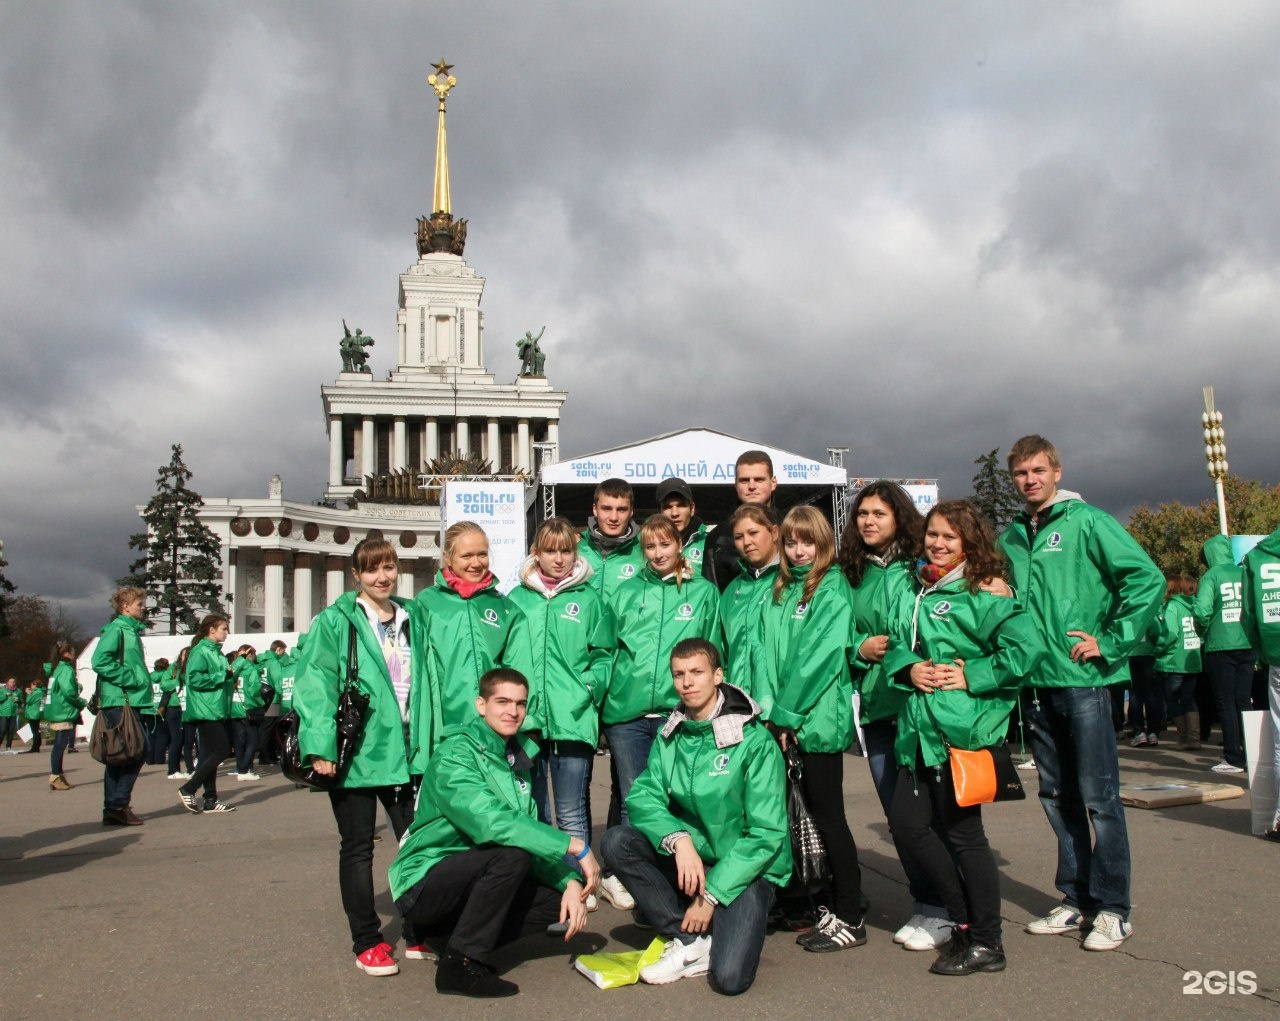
[1108, 932]
[251, 775]
[612, 890]
[1061, 919]
[908, 930]
[1226, 767]
[178, 776]
[679, 960]
[592, 903]
[1029, 764]
[1138, 740]
[930, 934]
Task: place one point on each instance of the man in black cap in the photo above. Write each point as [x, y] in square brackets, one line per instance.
[675, 501]
[754, 482]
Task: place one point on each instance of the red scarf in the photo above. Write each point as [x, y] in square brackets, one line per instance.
[465, 588]
[931, 574]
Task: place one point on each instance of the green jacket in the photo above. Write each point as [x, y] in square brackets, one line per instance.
[388, 750]
[1219, 597]
[694, 547]
[609, 571]
[176, 686]
[876, 592]
[1083, 572]
[743, 605]
[245, 683]
[10, 700]
[471, 797]
[807, 648]
[118, 661]
[33, 705]
[1176, 639]
[651, 616]
[289, 673]
[1000, 645]
[1261, 599]
[64, 702]
[207, 682]
[571, 646]
[157, 679]
[723, 782]
[458, 641]
[274, 665]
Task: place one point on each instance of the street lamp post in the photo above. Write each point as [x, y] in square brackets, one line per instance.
[1215, 452]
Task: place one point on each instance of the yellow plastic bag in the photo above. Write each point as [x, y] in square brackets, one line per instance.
[609, 971]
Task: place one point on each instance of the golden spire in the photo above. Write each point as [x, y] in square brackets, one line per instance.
[442, 81]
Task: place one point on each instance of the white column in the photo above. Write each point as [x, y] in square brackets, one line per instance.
[422, 444]
[404, 581]
[464, 437]
[232, 591]
[525, 459]
[336, 460]
[515, 448]
[334, 578]
[553, 434]
[494, 453]
[302, 591]
[399, 444]
[433, 438]
[368, 451]
[273, 591]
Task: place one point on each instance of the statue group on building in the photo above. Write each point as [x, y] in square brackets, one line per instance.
[352, 347]
[532, 360]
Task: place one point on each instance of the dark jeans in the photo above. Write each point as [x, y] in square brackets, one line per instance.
[61, 742]
[156, 732]
[214, 748]
[1231, 675]
[36, 740]
[879, 736]
[180, 745]
[1180, 693]
[355, 809]
[1147, 697]
[737, 929]
[1073, 741]
[926, 799]
[824, 790]
[118, 781]
[266, 740]
[629, 745]
[482, 898]
[8, 730]
[245, 734]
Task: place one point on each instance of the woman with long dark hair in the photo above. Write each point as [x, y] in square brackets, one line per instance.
[208, 709]
[62, 708]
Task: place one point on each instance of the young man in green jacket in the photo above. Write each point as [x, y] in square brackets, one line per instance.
[1260, 618]
[476, 862]
[675, 503]
[1228, 659]
[1093, 592]
[708, 842]
[610, 543]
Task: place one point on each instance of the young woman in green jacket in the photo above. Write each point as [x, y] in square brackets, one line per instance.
[1178, 661]
[961, 651]
[808, 631]
[746, 599]
[62, 709]
[208, 684]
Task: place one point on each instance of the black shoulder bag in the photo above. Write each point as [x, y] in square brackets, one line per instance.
[352, 706]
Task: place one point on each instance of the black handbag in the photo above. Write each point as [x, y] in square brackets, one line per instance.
[352, 706]
[810, 865]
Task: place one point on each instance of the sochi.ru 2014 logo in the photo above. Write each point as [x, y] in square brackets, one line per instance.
[685, 611]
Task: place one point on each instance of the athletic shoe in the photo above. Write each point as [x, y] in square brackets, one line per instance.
[963, 957]
[1138, 741]
[217, 806]
[592, 903]
[679, 960]
[826, 918]
[908, 930]
[1153, 739]
[189, 802]
[1108, 932]
[1272, 834]
[251, 775]
[178, 776]
[377, 961]
[1061, 919]
[1226, 767]
[461, 976]
[834, 934]
[1029, 764]
[930, 934]
[612, 890]
[420, 952]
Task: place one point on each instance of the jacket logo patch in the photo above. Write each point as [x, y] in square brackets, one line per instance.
[571, 611]
[694, 554]
[720, 767]
[1054, 542]
[490, 617]
[801, 610]
[942, 609]
[685, 611]
[627, 571]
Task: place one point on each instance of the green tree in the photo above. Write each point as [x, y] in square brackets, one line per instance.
[1173, 533]
[6, 587]
[34, 625]
[181, 562]
[994, 494]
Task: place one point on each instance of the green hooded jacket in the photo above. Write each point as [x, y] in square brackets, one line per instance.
[1219, 598]
[388, 750]
[64, 702]
[1176, 639]
[571, 653]
[1000, 645]
[33, 705]
[1261, 599]
[245, 684]
[175, 685]
[119, 663]
[609, 570]
[743, 606]
[10, 700]
[807, 648]
[459, 640]
[652, 615]
[470, 797]
[1082, 572]
[872, 598]
[694, 547]
[207, 683]
[289, 673]
[723, 782]
[157, 688]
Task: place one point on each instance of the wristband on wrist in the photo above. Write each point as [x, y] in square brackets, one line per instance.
[586, 850]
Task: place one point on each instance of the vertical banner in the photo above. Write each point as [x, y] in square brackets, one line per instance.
[498, 508]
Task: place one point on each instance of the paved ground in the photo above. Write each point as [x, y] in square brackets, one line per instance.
[237, 916]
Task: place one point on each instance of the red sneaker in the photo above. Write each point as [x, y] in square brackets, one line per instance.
[421, 952]
[378, 961]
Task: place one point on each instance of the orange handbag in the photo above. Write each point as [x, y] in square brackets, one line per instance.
[984, 776]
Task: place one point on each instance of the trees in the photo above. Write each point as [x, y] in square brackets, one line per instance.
[34, 625]
[6, 586]
[994, 494]
[181, 562]
[1173, 533]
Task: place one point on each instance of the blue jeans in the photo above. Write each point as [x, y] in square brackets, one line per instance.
[61, 742]
[1231, 675]
[737, 929]
[629, 744]
[568, 766]
[1146, 698]
[117, 781]
[879, 736]
[1180, 692]
[1073, 741]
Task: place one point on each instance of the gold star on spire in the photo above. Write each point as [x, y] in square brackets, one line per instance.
[443, 68]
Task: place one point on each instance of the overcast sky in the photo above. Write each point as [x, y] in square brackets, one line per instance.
[916, 229]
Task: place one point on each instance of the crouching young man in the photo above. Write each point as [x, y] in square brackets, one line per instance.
[475, 865]
[708, 840]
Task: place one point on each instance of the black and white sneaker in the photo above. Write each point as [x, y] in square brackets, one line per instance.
[834, 933]
[218, 806]
[189, 802]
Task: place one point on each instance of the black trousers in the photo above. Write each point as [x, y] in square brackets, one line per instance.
[484, 898]
[925, 799]
[211, 735]
[267, 754]
[824, 790]
[355, 809]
